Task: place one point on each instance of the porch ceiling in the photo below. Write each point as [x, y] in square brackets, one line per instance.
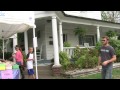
[86, 21]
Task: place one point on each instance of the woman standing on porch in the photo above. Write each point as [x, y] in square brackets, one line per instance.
[19, 59]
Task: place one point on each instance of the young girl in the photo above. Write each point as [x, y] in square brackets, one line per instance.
[30, 59]
[19, 59]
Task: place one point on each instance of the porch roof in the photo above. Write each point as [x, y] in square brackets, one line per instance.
[86, 21]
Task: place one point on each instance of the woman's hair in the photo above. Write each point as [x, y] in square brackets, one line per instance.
[17, 46]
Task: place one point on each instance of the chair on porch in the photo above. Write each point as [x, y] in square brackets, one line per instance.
[39, 54]
[86, 45]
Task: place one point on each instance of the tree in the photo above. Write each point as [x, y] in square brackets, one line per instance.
[112, 16]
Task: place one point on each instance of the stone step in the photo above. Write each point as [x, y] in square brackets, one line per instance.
[44, 67]
[40, 71]
[46, 77]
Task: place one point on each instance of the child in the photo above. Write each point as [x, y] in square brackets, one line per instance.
[30, 59]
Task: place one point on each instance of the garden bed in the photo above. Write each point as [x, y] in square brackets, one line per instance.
[77, 72]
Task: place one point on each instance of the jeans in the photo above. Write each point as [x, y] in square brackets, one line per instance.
[107, 72]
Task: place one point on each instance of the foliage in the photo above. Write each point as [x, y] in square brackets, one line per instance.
[85, 58]
[98, 45]
[64, 60]
[111, 33]
[116, 45]
[67, 44]
[87, 61]
[76, 53]
[112, 16]
[81, 32]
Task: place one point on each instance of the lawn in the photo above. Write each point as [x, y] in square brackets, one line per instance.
[116, 75]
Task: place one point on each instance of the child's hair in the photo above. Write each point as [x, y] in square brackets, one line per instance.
[32, 48]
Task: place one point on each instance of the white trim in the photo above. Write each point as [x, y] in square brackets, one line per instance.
[55, 41]
[61, 36]
[92, 23]
[26, 42]
[98, 33]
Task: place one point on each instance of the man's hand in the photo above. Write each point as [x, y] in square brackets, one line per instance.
[105, 63]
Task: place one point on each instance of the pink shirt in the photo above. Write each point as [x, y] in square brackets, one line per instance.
[19, 56]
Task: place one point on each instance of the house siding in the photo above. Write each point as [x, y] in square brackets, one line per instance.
[71, 38]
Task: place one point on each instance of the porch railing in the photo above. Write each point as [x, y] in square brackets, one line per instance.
[70, 50]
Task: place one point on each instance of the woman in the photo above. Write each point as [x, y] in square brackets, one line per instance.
[19, 59]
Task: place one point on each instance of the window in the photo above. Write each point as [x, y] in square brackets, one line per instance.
[87, 39]
[64, 38]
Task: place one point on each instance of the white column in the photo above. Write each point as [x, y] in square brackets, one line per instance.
[35, 53]
[15, 42]
[61, 36]
[98, 33]
[55, 41]
[3, 49]
[26, 42]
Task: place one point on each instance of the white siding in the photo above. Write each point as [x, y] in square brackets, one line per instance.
[67, 29]
[49, 48]
[40, 40]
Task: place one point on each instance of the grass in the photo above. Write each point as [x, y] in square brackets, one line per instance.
[115, 75]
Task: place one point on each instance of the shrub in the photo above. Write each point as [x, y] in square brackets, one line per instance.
[86, 61]
[64, 60]
[67, 44]
[98, 45]
[116, 45]
[85, 58]
[76, 53]
[111, 33]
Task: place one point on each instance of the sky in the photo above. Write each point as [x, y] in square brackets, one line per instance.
[88, 14]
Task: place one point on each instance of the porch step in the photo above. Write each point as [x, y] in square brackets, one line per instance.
[48, 67]
[44, 72]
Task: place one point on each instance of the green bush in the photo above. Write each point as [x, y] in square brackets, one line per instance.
[86, 61]
[64, 60]
[76, 54]
[67, 44]
[98, 45]
[111, 33]
[93, 52]
[116, 45]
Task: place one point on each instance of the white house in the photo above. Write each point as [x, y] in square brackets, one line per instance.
[53, 28]
[87, 14]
